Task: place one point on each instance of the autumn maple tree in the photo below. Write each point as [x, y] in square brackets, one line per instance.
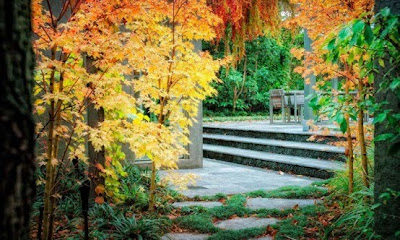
[145, 45]
[243, 21]
[322, 20]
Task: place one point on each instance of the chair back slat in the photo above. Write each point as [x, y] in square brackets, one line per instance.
[275, 96]
[299, 99]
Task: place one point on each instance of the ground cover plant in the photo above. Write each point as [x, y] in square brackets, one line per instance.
[124, 218]
[295, 221]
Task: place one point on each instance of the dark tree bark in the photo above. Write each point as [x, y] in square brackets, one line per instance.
[387, 166]
[17, 183]
[94, 118]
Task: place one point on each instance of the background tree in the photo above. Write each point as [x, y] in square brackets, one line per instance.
[268, 64]
[17, 186]
[387, 162]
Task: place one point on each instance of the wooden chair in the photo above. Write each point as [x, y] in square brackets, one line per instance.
[297, 103]
[277, 100]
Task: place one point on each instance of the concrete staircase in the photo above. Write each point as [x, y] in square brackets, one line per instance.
[276, 149]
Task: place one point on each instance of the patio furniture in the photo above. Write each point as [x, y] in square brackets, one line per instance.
[277, 100]
[296, 101]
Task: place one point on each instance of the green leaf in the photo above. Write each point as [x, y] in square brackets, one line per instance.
[395, 84]
[381, 62]
[343, 126]
[331, 44]
[355, 39]
[342, 122]
[380, 118]
[368, 34]
[344, 33]
[358, 26]
[350, 59]
[376, 205]
[384, 137]
[385, 12]
[392, 23]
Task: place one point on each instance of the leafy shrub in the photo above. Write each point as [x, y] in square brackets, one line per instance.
[358, 216]
[120, 223]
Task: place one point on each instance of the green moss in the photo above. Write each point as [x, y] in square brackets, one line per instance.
[291, 192]
[197, 222]
[200, 219]
[217, 197]
[321, 183]
[238, 234]
[225, 212]
[292, 227]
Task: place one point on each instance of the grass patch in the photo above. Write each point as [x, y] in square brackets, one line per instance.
[238, 234]
[291, 192]
[292, 227]
[217, 197]
[197, 222]
[321, 183]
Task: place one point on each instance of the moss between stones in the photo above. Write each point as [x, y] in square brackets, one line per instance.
[201, 219]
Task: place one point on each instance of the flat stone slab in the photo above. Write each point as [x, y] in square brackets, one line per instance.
[185, 236]
[278, 158]
[242, 223]
[278, 203]
[277, 143]
[263, 238]
[193, 203]
[230, 178]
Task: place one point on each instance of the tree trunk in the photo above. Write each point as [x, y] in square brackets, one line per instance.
[349, 148]
[94, 118]
[361, 136]
[17, 186]
[387, 174]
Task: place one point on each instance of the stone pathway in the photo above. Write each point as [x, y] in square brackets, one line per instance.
[200, 204]
[278, 203]
[229, 178]
[185, 236]
[243, 223]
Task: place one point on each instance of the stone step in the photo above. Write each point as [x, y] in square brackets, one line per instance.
[279, 203]
[278, 134]
[302, 149]
[185, 236]
[243, 223]
[196, 204]
[292, 164]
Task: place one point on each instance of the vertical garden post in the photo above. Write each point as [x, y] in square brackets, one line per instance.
[308, 88]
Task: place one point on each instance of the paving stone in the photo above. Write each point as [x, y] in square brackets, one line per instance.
[263, 238]
[242, 223]
[184, 236]
[229, 178]
[278, 203]
[192, 203]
